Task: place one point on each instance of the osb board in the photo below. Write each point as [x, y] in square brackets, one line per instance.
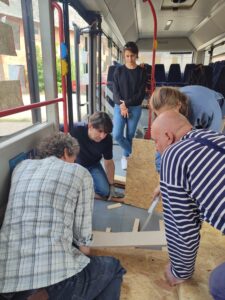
[10, 94]
[5, 1]
[7, 46]
[143, 150]
[142, 177]
[144, 279]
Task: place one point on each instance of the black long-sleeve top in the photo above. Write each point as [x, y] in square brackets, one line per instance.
[129, 85]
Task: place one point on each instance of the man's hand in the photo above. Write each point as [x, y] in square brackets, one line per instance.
[113, 193]
[124, 109]
[170, 278]
[85, 250]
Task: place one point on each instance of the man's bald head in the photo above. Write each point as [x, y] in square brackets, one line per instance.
[168, 128]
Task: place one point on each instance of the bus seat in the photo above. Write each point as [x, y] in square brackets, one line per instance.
[174, 74]
[208, 76]
[160, 74]
[13, 150]
[220, 84]
[201, 75]
[187, 73]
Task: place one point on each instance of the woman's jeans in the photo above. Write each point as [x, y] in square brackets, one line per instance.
[119, 123]
[217, 282]
[100, 280]
[101, 183]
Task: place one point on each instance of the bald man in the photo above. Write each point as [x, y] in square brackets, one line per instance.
[192, 184]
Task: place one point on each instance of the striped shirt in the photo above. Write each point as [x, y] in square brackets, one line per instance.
[192, 183]
[49, 208]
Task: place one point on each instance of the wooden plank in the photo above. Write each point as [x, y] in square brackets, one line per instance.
[10, 94]
[128, 239]
[7, 46]
[5, 1]
[161, 225]
[112, 206]
[142, 177]
[119, 181]
[136, 225]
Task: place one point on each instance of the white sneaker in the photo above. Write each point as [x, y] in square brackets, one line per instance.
[124, 162]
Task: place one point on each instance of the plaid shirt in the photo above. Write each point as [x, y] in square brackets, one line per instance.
[50, 207]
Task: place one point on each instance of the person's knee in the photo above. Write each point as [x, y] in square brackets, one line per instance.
[112, 266]
[217, 283]
[102, 191]
[117, 136]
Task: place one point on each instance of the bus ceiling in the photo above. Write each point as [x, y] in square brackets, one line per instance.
[183, 25]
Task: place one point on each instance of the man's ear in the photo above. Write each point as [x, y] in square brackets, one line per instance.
[170, 137]
[66, 157]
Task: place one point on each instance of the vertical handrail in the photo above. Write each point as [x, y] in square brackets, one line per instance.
[61, 39]
[154, 47]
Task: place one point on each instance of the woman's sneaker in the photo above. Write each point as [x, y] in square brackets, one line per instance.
[124, 162]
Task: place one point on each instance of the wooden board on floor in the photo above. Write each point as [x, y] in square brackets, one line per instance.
[7, 46]
[128, 239]
[144, 279]
[142, 177]
[10, 94]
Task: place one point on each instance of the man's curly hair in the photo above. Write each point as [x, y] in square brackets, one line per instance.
[55, 144]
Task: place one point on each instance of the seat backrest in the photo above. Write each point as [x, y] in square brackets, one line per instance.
[220, 84]
[208, 76]
[187, 72]
[160, 74]
[174, 74]
[201, 75]
[148, 69]
[110, 73]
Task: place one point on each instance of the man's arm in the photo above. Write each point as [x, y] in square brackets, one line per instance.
[182, 225]
[82, 226]
[109, 169]
[116, 88]
[181, 213]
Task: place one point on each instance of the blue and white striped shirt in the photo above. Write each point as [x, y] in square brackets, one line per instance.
[192, 183]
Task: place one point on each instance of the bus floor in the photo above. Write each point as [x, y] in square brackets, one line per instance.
[144, 279]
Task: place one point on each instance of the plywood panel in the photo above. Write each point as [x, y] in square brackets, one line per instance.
[10, 94]
[5, 1]
[7, 45]
[144, 279]
[142, 177]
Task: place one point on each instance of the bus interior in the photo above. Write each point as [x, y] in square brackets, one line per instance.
[56, 66]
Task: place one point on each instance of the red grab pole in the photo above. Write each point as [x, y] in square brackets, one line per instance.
[154, 47]
[61, 39]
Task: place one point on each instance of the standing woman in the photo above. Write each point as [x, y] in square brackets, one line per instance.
[129, 83]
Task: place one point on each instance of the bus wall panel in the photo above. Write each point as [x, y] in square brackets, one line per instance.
[166, 44]
[22, 142]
